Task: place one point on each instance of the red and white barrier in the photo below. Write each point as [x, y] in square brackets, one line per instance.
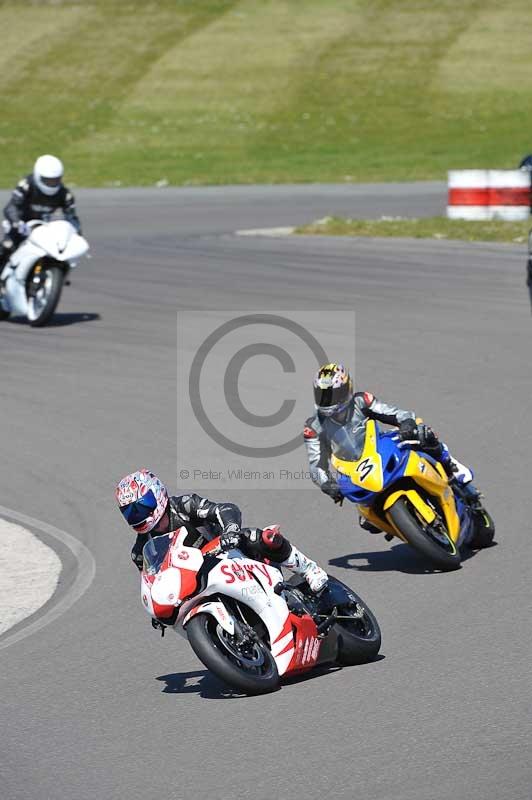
[489, 194]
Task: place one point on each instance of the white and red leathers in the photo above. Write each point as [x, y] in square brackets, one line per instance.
[205, 520]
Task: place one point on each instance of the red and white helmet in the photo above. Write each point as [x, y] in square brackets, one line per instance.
[142, 500]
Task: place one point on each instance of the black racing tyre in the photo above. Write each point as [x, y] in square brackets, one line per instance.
[484, 530]
[359, 638]
[3, 314]
[442, 556]
[251, 672]
[52, 292]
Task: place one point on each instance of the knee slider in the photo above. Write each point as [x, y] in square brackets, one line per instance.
[275, 543]
[272, 537]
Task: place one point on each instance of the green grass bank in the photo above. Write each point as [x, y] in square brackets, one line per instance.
[426, 228]
[135, 92]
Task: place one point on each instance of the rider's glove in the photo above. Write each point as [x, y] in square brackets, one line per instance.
[137, 559]
[408, 431]
[333, 490]
[23, 229]
[427, 438]
[230, 537]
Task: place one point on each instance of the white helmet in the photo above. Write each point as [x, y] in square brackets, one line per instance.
[47, 174]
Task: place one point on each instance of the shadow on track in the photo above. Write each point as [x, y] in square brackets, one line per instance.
[60, 320]
[199, 681]
[399, 558]
[205, 684]
[327, 669]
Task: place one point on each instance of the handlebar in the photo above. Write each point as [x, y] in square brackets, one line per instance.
[281, 587]
[403, 442]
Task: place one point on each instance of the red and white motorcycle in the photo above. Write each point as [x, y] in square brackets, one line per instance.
[32, 280]
[244, 622]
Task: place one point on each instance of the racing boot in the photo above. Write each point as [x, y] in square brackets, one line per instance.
[367, 525]
[299, 563]
[454, 469]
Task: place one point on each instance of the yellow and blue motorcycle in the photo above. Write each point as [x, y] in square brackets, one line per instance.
[407, 494]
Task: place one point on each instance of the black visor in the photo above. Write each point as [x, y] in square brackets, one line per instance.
[52, 182]
[324, 398]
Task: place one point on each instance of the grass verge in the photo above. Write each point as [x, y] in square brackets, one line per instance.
[426, 228]
[138, 92]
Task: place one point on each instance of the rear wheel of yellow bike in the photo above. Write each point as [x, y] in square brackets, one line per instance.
[484, 530]
[431, 541]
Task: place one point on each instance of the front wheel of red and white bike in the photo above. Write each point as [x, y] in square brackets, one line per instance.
[245, 663]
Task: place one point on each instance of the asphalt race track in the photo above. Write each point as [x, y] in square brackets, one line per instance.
[95, 705]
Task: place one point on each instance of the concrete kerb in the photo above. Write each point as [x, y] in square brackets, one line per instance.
[86, 569]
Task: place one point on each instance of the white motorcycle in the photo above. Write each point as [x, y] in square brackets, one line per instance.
[244, 622]
[32, 280]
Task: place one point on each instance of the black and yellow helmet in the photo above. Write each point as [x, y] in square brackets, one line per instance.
[333, 389]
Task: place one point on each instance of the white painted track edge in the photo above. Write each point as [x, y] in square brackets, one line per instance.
[86, 570]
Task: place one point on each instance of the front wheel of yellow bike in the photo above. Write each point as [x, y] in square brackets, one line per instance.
[435, 545]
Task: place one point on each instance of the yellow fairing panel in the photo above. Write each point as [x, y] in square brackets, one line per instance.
[417, 501]
[375, 519]
[367, 471]
[435, 482]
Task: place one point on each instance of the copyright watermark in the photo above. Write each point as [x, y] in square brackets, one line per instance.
[244, 392]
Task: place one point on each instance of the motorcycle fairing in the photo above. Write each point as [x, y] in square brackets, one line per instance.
[356, 483]
[252, 583]
[423, 473]
[307, 644]
[249, 582]
[218, 611]
[58, 239]
[366, 471]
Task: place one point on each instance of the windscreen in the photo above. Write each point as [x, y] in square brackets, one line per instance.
[348, 442]
[154, 553]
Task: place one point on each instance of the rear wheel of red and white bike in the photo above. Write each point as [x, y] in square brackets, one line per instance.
[359, 635]
[244, 663]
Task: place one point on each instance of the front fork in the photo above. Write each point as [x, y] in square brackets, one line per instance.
[38, 275]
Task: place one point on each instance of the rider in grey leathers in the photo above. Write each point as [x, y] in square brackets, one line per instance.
[337, 404]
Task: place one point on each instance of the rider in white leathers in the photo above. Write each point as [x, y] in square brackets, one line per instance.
[145, 505]
[37, 196]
